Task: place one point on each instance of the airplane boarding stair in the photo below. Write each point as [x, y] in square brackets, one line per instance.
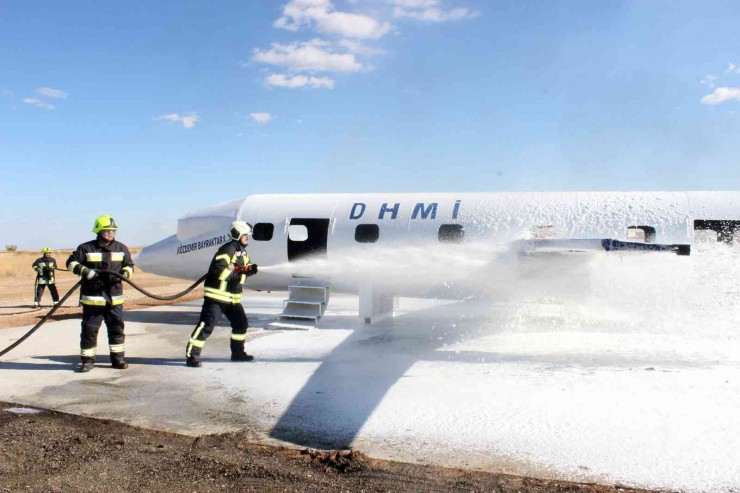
[306, 303]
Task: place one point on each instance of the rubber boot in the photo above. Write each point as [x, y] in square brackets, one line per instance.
[117, 361]
[192, 356]
[86, 365]
[241, 356]
[238, 353]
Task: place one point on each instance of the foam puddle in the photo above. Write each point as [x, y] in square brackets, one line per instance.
[617, 367]
[23, 410]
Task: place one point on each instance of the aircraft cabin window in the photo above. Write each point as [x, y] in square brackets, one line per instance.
[543, 232]
[367, 233]
[451, 233]
[263, 231]
[726, 230]
[297, 232]
[705, 236]
[641, 234]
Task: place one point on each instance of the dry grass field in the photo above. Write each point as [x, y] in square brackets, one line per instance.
[17, 280]
[17, 265]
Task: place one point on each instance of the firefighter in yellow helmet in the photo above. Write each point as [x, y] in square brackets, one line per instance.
[101, 294]
[222, 294]
[45, 267]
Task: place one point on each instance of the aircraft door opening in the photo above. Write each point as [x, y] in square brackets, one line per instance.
[310, 242]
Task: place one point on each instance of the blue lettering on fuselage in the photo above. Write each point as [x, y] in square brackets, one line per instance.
[354, 214]
[420, 211]
[431, 210]
[393, 210]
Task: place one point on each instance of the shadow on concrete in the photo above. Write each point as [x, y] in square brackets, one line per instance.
[352, 380]
[103, 361]
[62, 362]
[174, 317]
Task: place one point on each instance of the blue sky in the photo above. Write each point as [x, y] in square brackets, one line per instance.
[146, 110]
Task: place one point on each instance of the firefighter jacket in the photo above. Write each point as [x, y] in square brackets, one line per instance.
[45, 267]
[102, 288]
[227, 273]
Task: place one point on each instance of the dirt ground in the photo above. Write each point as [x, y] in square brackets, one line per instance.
[56, 452]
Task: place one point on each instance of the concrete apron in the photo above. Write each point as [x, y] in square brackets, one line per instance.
[444, 384]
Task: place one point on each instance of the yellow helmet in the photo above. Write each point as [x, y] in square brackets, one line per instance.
[104, 223]
[46, 250]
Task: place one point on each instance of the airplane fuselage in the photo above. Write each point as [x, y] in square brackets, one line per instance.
[348, 239]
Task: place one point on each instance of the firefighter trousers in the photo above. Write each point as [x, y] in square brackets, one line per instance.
[209, 317]
[92, 318]
[52, 290]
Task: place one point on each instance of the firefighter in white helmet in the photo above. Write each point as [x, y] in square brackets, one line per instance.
[222, 294]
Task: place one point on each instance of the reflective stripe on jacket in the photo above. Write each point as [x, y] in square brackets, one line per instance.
[95, 254]
[45, 268]
[223, 283]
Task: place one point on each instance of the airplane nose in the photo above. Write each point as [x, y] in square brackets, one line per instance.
[154, 259]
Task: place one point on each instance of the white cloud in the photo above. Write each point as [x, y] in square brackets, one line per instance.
[188, 121]
[359, 48]
[708, 80]
[321, 14]
[261, 118]
[313, 55]
[51, 93]
[38, 103]
[733, 69]
[722, 94]
[428, 10]
[291, 82]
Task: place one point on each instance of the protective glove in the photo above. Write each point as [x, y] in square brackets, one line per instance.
[126, 274]
[88, 273]
[252, 269]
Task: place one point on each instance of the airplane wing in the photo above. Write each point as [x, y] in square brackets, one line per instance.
[598, 244]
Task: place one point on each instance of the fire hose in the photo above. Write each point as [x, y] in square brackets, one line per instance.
[74, 288]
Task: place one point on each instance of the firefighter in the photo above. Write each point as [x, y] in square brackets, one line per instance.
[45, 267]
[101, 294]
[222, 294]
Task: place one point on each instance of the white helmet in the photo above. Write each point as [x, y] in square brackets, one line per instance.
[239, 228]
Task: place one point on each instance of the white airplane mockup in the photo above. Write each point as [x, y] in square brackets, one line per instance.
[439, 245]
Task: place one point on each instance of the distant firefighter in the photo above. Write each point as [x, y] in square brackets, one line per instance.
[222, 294]
[45, 267]
[101, 294]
